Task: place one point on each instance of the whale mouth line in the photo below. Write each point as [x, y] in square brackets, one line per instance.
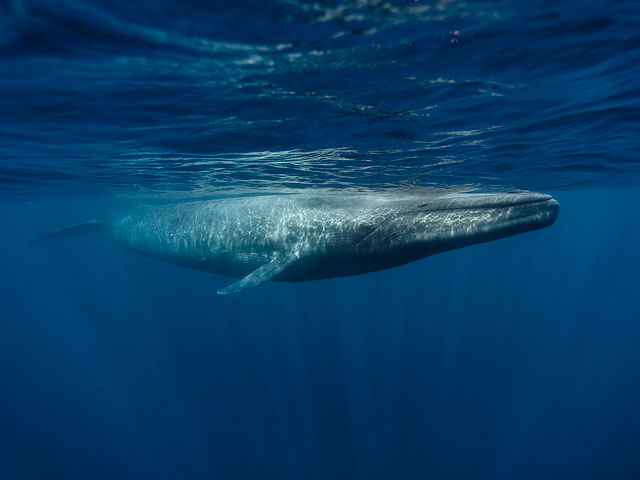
[490, 204]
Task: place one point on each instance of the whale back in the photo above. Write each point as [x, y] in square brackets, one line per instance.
[239, 235]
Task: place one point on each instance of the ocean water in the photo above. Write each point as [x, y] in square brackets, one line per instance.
[511, 359]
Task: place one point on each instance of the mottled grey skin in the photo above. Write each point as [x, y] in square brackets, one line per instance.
[294, 238]
[308, 237]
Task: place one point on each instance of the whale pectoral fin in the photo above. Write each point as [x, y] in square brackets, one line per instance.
[263, 274]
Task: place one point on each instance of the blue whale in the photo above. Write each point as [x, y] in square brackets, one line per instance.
[300, 237]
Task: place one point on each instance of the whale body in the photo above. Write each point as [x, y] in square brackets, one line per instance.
[302, 237]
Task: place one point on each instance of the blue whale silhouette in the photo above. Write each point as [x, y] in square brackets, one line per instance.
[301, 237]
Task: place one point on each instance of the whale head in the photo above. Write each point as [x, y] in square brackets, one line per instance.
[436, 224]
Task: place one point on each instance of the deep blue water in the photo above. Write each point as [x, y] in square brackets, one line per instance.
[512, 359]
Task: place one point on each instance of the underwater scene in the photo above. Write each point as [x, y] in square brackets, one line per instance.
[308, 239]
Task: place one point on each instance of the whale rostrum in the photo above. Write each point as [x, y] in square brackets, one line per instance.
[301, 237]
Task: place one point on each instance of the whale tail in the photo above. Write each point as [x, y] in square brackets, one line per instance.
[93, 226]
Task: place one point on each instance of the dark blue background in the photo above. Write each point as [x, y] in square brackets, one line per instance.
[512, 359]
[516, 358]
